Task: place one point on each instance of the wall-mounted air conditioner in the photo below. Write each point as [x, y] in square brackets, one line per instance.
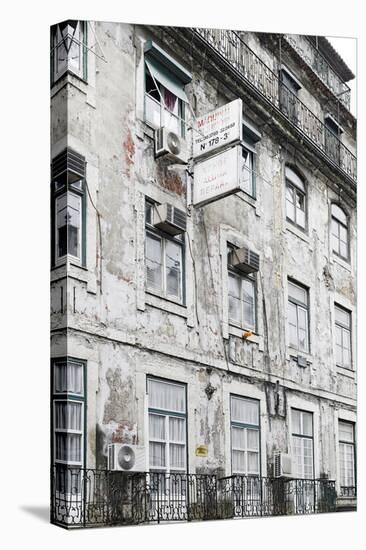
[170, 219]
[170, 146]
[282, 465]
[125, 457]
[244, 259]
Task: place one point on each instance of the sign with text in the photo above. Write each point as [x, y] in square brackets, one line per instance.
[217, 176]
[218, 129]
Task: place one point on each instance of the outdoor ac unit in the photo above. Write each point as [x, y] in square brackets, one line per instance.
[128, 458]
[244, 259]
[170, 219]
[170, 146]
[282, 465]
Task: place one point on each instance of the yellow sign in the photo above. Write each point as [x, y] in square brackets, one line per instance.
[201, 450]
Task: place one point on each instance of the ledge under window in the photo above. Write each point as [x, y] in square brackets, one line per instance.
[349, 373]
[165, 304]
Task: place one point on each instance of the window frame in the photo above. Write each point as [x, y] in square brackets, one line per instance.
[159, 88]
[251, 278]
[351, 444]
[334, 219]
[302, 436]
[59, 188]
[296, 192]
[304, 307]
[158, 234]
[245, 426]
[71, 475]
[166, 414]
[342, 327]
[82, 73]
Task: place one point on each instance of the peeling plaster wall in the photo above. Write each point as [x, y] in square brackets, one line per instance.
[125, 334]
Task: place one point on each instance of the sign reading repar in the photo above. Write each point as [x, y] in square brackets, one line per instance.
[217, 176]
[218, 128]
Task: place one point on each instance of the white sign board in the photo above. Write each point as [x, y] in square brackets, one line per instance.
[217, 129]
[218, 176]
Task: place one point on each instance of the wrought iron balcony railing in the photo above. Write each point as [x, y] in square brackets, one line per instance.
[83, 497]
[348, 492]
[320, 66]
[248, 66]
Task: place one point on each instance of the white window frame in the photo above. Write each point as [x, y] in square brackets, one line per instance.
[243, 323]
[78, 37]
[164, 111]
[69, 431]
[339, 223]
[61, 259]
[351, 444]
[305, 307]
[298, 187]
[167, 469]
[158, 235]
[302, 437]
[246, 427]
[344, 329]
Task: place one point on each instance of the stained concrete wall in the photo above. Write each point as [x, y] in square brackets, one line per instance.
[125, 333]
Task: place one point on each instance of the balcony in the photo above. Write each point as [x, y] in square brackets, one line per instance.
[250, 68]
[320, 66]
[88, 497]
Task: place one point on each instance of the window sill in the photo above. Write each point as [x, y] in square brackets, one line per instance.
[348, 373]
[298, 232]
[343, 263]
[165, 304]
[293, 353]
[235, 330]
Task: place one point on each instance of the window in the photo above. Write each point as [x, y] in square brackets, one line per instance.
[165, 98]
[302, 443]
[343, 337]
[68, 209]
[295, 198]
[250, 137]
[68, 49]
[298, 316]
[339, 232]
[242, 297]
[289, 87]
[347, 455]
[332, 138]
[245, 435]
[68, 409]
[167, 426]
[164, 256]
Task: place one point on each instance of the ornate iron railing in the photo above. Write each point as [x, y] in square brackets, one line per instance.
[348, 492]
[317, 62]
[229, 46]
[85, 497]
[245, 496]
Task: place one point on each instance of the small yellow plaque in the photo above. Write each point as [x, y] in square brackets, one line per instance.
[201, 450]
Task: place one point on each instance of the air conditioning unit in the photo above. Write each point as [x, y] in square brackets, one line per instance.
[125, 457]
[170, 146]
[282, 465]
[244, 259]
[170, 219]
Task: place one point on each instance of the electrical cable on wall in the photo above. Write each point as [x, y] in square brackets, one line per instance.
[100, 239]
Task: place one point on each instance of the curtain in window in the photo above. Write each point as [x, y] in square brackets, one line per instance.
[69, 378]
[166, 396]
[245, 411]
[153, 262]
[173, 262]
[68, 415]
[68, 447]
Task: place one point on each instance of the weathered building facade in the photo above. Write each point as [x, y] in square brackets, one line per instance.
[162, 341]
